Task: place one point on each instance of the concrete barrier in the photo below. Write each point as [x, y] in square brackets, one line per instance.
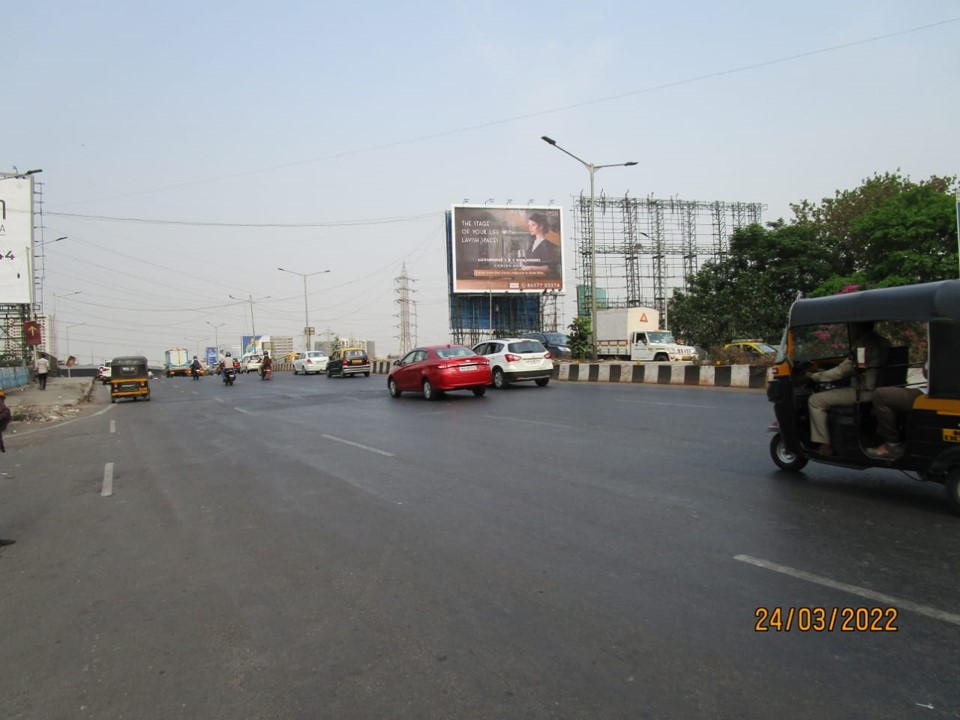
[736, 376]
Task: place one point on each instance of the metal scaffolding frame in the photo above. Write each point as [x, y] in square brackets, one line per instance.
[648, 247]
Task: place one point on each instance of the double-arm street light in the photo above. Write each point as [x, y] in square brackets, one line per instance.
[216, 335]
[307, 330]
[592, 169]
[253, 323]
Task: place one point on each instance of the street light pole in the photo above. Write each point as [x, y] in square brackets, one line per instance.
[253, 323]
[68, 345]
[306, 307]
[592, 169]
[56, 318]
[216, 335]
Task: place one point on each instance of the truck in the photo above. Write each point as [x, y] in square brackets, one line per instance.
[177, 362]
[634, 334]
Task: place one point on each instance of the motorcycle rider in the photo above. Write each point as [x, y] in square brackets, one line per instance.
[226, 366]
[267, 364]
[195, 368]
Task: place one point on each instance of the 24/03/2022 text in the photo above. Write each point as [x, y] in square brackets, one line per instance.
[824, 619]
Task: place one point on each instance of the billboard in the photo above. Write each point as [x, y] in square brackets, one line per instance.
[16, 240]
[502, 248]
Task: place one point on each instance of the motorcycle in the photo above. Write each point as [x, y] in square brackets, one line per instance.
[229, 375]
[266, 374]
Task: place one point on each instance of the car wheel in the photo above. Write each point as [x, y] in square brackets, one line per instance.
[660, 357]
[295, 370]
[429, 393]
[952, 485]
[392, 387]
[542, 382]
[329, 373]
[147, 398]
[499, 379]
[479, 391]
[784, 457]
[366, 374]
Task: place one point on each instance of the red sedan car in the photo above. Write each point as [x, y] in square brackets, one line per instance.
[436, 368]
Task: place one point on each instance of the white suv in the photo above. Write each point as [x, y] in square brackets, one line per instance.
[312, 361]
[516, 359]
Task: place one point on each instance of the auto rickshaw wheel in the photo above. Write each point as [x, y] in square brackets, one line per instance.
[952, 485]
[784, 457]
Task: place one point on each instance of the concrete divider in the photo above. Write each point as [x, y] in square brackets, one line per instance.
[736, 376]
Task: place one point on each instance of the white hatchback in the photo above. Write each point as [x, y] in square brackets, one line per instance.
[516, 359]
[313, 361]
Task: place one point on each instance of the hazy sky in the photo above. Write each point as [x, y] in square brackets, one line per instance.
[189, 149]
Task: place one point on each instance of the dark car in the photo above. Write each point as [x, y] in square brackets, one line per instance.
[348, 361]
[434, 369]
[557, 343]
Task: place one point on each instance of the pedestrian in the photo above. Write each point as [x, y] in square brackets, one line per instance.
[5, 416]
[43, 367]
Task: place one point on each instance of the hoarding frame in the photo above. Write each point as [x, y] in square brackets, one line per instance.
[16, 240]
[491, 249]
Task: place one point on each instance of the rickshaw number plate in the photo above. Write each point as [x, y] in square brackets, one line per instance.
[950, 435]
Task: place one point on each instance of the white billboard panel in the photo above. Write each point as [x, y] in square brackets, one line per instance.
[503, 248]
[16, 240]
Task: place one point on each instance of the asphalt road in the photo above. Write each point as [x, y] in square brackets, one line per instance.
[311, 548]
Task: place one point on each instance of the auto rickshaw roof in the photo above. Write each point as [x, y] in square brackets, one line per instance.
[926, 301]
[129, 360]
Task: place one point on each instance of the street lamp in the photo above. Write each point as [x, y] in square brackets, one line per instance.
[68, 344]
[306, 309]
[216, 335]
[253, 324]
[592, 169]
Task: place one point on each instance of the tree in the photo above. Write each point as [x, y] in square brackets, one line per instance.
[579, 336]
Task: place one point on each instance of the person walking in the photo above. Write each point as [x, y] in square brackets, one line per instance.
[43, 368]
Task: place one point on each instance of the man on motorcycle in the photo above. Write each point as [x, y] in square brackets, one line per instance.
[195, 368]
[265, 365]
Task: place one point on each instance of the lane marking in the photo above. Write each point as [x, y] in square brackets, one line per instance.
[107, 489]
[652, 402]
[358, 445]
[244, 411]
[113, 426]
[852, 589]
[524, 420]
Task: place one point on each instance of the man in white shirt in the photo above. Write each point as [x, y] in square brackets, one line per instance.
[43, 367]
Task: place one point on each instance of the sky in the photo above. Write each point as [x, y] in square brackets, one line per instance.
[190, 149]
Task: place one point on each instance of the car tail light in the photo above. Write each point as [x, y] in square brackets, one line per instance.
[547, 356]
[510, 357]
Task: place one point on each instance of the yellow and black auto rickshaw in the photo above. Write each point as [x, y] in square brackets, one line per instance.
[922, 325]
[129, 378]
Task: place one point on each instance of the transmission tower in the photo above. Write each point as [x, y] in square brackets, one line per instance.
[402, 290]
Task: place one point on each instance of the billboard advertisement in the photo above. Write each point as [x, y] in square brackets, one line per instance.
[502, 248]
[16, 240]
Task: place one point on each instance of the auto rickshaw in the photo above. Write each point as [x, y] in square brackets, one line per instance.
[922, 323]
[129, 378]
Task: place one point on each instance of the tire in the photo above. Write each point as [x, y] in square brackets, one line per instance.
[784, 457]
[479, 391]
[147, 397]
[113, 399]
[429, 392]
[392, 387]
[660, 357]
[295, 371]
[542, 382]
[952, 485]
[329, 373]
[366, 374]
[499, 379]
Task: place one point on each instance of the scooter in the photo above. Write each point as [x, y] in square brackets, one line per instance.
[229, 375]
[266, 374]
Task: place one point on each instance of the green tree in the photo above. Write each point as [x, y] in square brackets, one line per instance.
[580, 338]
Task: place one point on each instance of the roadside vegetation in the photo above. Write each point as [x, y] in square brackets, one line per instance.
[889, 231]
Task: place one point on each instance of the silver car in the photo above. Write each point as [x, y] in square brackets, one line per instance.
[515, 360]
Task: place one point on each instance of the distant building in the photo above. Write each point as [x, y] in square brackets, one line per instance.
[328, 346]
[280, 345]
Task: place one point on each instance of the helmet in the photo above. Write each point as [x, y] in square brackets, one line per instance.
[228, 354]
[194, 357]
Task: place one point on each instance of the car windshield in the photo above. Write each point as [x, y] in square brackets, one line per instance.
[354, 353]
[557, 338]
[455, 352]
[765, 349]
[661, 336]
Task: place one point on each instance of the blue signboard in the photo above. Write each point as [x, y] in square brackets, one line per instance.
[212, 356]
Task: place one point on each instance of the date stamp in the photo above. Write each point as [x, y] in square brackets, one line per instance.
[825, 619]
